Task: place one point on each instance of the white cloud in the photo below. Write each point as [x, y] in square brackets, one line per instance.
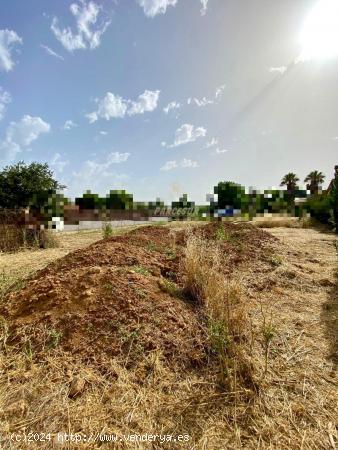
[103, 133]
[218, 150]
[113, 106]
[93, 168]
[188, 163]
[69, 124]
[208, 101]
[281, 69]
[219, 91]
[169, 165]
[57, 163]
[185, 163]
[21, 134]
[211, 143]
[153, 7]
[146, 102]
[8, 39]
[27, 130]
[203, 102]
[99, 175]
[5, 99]
[96, 168]
[171, 106]
[51, 52]
[187, 133]
[204, 7]
[110, 107]
[117, 158]
[88, 34]
[92, 117]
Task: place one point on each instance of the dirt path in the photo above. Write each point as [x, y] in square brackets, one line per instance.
[312, 259]
[302, 295]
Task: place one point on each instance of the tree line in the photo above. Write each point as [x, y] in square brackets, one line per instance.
[33, 186]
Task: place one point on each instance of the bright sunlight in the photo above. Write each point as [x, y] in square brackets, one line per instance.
[319, 36]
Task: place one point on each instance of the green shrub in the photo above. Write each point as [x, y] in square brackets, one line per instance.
[320, 208]
[107, 230]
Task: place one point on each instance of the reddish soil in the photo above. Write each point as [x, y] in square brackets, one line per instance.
[105, 301]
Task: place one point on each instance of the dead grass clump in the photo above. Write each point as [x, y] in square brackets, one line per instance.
[225, 310]
[11, 238]
[290, 222]
[39, 239]
[14, 238]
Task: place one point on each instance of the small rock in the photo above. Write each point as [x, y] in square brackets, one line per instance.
[76, 387]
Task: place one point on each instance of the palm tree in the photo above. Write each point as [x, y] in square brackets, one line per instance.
[290, 180]
[314, 180]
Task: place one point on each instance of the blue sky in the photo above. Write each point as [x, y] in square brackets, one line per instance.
[161, 97]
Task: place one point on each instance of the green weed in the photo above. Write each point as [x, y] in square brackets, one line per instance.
[170, 254]
[140, 269]
[151, 246]
[275, 260]
[170, 287]
[54, 338]
[107, 230]
[222, 235]
[140, 292]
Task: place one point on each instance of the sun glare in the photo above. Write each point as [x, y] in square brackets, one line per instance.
[319, 36]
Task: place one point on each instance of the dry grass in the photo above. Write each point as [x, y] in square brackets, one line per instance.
[283, 332]
[225, 309]
[11, 238]
[286, 222]
[14, 237]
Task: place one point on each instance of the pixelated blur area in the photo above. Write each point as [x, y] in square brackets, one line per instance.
[51, 210]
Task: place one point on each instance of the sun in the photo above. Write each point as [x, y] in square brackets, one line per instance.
[319, 36]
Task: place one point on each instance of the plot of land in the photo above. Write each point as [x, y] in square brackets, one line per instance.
[105, 339]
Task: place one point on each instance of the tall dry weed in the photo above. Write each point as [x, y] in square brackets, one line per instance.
[225, 310]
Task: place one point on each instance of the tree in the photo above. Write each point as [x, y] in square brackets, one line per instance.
[290, 180]
[119, 200]
[89, 201]
[20, 182]
[47, 204]
[183, 207]
[231, 195]
[183, 203]
[314, 179]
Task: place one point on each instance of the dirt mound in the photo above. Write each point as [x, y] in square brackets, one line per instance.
[241, 243]
[108, 301]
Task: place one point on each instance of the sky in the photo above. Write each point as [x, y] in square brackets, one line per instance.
[165, 97]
